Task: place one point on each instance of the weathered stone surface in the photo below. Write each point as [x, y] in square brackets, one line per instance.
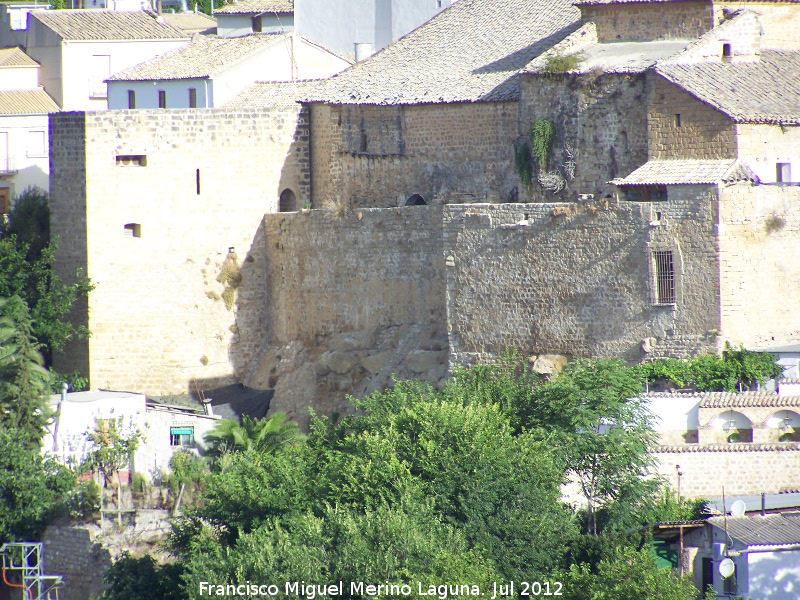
[420, 361]
[354, 340]
[549, 363]
[339, 361]
[376, 362]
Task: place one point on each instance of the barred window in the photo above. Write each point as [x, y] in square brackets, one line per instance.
[665, 277]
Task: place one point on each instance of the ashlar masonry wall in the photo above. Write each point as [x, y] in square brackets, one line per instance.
[163, 210]
[352, 298]
[601, 120]
[379, 156]
[578, 279]
[649, 21]
[701, 132]
[760, 274]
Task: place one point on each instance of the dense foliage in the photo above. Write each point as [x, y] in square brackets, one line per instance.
[712, 373]
[31, 488]
[26, 258]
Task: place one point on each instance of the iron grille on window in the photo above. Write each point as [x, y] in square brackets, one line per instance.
[665, 277]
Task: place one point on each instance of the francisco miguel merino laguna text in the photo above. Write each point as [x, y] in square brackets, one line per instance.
[441, 592]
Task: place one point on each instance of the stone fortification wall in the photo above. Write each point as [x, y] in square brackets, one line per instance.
[601, 120]
[701, 132]
[76, 553]
[577, 279]
[759, 268]
[352, 298]
[170, 204]
[379, 156]
[655, 21]
[744, 469]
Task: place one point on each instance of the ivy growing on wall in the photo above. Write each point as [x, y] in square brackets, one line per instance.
[542, 142]
[525, 165]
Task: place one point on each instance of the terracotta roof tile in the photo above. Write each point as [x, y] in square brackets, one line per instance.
[744, 399]
[761, 91]
[687, 172]
[256, 7]
[199, 59]
[27, 102]
[106, 25]
[191, 23]
[269, 94]
[743, 447]
[14, 57]
[470, 52]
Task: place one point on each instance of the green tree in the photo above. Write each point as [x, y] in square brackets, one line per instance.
[263, 435]
[26, 259]
[24, 382]
[627, 575]
[592, 412]
[113, 445]
[30, 487]
[138, 578]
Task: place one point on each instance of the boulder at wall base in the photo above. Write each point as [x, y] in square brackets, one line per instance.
[420, 361]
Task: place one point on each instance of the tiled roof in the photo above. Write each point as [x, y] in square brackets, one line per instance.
[688, 172]
[760, 91]
[585, 2]
[743, 399]
[470, 52]
[106, 25]
[190, 22]
[257, 7]
[14, 57]
[27, 102]
[268, 94]
[742, 447]
[769, 530]
[202, 58]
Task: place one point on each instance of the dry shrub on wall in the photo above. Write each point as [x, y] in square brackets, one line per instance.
[338, 207]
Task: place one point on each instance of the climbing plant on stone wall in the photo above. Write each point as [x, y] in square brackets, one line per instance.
[525, 165]
[542, 142]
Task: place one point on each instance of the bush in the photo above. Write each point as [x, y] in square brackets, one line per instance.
[83, 502]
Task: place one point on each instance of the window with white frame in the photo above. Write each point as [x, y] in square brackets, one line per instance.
[37, 146]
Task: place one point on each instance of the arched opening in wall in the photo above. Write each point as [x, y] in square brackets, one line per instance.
[288, 201]
[732, 427]
[784, 426]
[416, 200]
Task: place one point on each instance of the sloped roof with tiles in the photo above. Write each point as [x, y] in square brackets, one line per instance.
[14, 57]
[767, 530]
[470, 52]
[83, 25]
[191, 23]
[762, 91]
[257, 7]
[27, 102]
[590, 2]
[746, 399]
[689, 172]
[200, 59]
[268, 94]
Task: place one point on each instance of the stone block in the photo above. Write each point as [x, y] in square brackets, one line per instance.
[420, 361]
[339, 361]
[376, 362]
[547, 364]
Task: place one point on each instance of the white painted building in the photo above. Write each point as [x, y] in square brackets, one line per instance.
[24, 110]
[165, 429]
[80, 49]
[372, 24]
[211, 71]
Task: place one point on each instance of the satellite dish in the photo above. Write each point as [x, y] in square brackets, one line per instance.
[726, 568]
[737, 509]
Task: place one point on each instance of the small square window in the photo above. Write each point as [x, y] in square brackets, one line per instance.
[162, 99]
[192, 98]
[783, 173]
[131, 99]
[256, 24]
[36, 144]
[677, 120]
[133, 230]
[181, 436]
[726, 50]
